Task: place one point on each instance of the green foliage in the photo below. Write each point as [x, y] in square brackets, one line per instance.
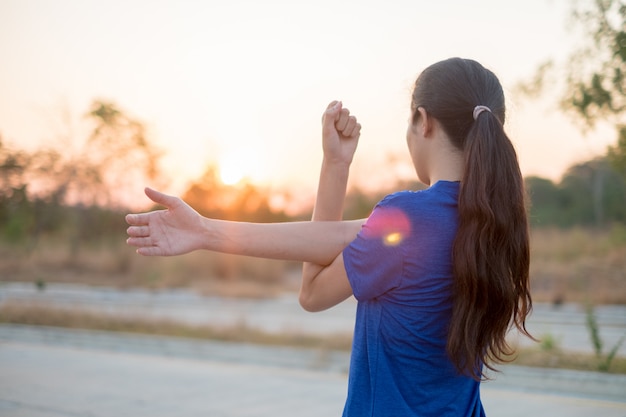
[120, 146]
[64, 190]
[594, 88]
[549, 343]
[590, 194]
[594, 330]
[40, 284]
[618, 235]
[617, 153]
[605, 365]
[604, 361]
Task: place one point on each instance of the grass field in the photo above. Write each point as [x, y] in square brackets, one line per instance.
[579, 265]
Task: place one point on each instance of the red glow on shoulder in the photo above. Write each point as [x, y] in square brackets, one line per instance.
[392, 225]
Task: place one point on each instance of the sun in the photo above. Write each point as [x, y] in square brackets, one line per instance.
[238, 167]
[232, 173]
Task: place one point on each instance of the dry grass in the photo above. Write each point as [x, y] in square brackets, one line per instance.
[579, 265]
[540, 358]
[574, 265]
[115, 264]
[42, 315]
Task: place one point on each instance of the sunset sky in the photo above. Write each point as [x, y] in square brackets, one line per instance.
[243, 83]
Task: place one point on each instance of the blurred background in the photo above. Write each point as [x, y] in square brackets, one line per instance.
[220, 103]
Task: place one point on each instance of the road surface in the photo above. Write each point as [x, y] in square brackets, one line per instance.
[51, 372]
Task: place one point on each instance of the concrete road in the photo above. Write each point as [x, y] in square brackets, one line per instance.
[48, 372]
[565, 325]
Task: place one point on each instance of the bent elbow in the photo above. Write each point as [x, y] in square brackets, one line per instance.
[312, 302]
[305, 302]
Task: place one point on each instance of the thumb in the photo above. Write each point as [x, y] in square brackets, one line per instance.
[330, 116]
[160, 198]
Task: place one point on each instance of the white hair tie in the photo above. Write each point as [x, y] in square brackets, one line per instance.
[479, 109]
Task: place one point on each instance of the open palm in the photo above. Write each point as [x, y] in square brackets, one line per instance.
[173, 231]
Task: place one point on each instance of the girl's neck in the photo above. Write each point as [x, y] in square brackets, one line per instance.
[448, 166]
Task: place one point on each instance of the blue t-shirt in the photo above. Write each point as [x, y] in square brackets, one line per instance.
[400, 270]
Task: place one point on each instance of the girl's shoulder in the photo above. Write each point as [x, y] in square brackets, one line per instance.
[440, 192]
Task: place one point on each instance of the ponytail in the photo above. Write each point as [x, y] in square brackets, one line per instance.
[491, 250]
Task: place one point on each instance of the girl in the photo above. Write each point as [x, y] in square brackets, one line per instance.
[440, 275]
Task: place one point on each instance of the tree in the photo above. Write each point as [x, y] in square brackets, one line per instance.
[117, 152]
[595, 73]
[75, 188]
[14, 207]
[242, 202]
[545, 198]
[590, 193]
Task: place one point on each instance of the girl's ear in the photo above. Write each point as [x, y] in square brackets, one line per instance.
[424, 122]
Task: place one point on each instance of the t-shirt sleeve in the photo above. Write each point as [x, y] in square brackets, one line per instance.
[374, 259]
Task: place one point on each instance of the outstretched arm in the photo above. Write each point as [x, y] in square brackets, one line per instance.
[326, 284]
[179, 229]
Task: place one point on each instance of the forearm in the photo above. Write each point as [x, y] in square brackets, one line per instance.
[315, 242]
[329, 202]
[331, 191]
[319, 288]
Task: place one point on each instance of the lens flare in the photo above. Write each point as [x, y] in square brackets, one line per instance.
[393, 239]
[389, 224]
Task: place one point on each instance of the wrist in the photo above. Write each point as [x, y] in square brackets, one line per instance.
[209, 234]
[336, 165]
[333, 178]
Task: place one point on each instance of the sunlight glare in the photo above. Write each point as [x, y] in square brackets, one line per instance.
[240, 166]
[231, 174]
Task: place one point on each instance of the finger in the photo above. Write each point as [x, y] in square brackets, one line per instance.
[342, 120]
[150, 251]
[160, 198]
[137, 219]
[350, 126]
[330, 115]
[140, 242]
[332, 104]
[138, 231]
[355, 133]
[332, 110]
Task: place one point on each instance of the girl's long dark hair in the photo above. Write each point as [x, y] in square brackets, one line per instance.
[491, 249]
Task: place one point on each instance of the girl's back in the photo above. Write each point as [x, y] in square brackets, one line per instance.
[400, 268]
